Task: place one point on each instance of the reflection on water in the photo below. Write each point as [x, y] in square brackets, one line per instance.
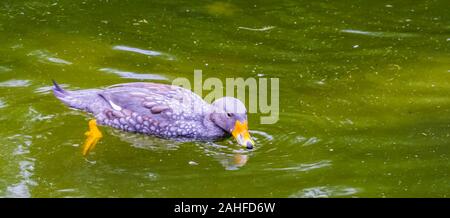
[132, 75]
[146, 142]
[137, 50]
[2, 104]
[235, 161]
[230, 155]
[15, 83]
[257, 29]
[231, 161]
[22, 143]
[229, 158]
[67, 190]
[22, 188]
[325, 192]
[144, 52]
[380, 34]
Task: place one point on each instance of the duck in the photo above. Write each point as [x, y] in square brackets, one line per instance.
[159, 110]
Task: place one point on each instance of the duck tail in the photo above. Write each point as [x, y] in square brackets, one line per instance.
[59, 92]
[85, 100]
[57, 88]
[62, 94]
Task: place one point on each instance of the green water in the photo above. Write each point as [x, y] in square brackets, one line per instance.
[364, 97]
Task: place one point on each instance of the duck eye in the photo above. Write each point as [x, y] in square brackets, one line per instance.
[228, 114]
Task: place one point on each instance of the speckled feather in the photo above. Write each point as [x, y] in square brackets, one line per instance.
[149, 108]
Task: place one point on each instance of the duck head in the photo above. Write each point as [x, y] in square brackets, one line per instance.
[230, 115]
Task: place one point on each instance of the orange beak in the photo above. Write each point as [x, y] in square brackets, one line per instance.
[241, 134]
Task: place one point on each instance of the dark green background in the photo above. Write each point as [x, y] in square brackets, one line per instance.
[364, 97]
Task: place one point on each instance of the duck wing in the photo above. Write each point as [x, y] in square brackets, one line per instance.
[154, 100]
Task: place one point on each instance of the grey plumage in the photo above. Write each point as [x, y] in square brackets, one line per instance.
[155, 109]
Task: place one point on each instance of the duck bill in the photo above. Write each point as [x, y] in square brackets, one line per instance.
[241, 134]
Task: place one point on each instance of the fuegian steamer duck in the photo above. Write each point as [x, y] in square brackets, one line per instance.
[160, 110]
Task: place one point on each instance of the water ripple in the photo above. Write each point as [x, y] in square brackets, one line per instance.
[132, 75]
[267, 136]
[21, 189]
[146, 142]
[5, 69]
[266, 28]
[15, 83]
[143, 51]
[304, 167]
[227, 153]
[325, 192]
[48, 89]
[230, 155]
[47, 57]
[2, 104]
[307, 141]
[67, 190]
[43, 90]
[379, 34]
[233, 162]
[37, 116]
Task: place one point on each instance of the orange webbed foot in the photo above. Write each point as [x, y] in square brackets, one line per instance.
[93, 136]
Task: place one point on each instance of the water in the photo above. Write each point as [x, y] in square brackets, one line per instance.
[364, 97]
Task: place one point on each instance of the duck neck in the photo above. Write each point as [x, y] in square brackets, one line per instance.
[212, 130]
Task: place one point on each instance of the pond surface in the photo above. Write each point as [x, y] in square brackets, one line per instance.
[364, 97]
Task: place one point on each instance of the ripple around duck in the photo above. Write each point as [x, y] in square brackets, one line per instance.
[304, 167]
[226, 152]
[261, 135]
[230, 155]
[48, 89]
[146, 142]
[229, 158]
[230, 145]
[325, 192]
[15, 83]
[143, 51]
[133, 75]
